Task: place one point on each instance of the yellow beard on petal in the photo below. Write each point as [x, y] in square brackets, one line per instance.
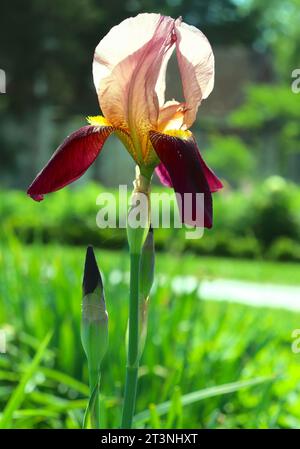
[98, 120]
[123, 135]
[185, 135]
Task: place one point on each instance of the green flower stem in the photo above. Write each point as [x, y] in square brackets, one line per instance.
[133, 344]
[94, 379]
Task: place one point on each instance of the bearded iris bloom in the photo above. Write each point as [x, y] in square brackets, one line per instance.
[129, 71]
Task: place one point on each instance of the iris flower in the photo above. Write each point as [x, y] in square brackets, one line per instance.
[129, 71]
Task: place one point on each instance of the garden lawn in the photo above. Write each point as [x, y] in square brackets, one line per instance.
[192, 345]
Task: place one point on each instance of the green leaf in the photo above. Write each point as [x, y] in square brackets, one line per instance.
[90, 413]
[199, 395]
[40, 413]
[19, 393]
[154, 417]
[175, 410]
[65, 379]
[56, 403]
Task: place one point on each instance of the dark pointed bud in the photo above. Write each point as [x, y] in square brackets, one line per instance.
[94, 324]
[91, 277]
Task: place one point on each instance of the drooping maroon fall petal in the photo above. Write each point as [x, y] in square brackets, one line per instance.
[70, 161]
[213, 181]
[188, 174]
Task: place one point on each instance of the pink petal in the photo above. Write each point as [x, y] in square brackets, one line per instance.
[171, 116]
[72, 158]
[127, 69]
[196, 66]
[187, 172]
[160, 86]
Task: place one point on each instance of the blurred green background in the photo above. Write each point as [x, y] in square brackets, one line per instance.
[248, 130]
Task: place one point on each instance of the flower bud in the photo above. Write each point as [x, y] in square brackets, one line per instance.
[94, 324]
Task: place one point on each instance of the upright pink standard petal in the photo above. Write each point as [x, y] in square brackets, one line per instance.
[72, 158]
[129, 71]
[196, 65]
[188, 174]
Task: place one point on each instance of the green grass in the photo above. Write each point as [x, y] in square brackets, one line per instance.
[193, 346]
[221, 267]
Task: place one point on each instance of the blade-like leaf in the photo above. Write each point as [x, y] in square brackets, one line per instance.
[88, 420]
[19, 393]
[66, 380]
[199, 395]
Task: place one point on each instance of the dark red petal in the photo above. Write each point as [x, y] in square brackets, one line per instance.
[163, 175]
[188, 174]
[213, 181]
[71, 159]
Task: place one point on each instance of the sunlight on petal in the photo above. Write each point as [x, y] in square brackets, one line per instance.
[196, 66]
[128, 63]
